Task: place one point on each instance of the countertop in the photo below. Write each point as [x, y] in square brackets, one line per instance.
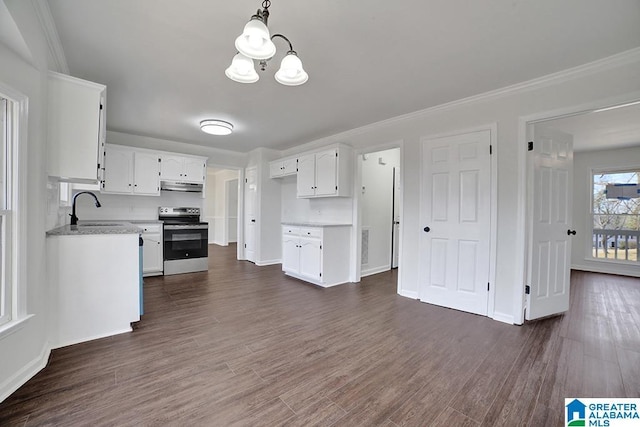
[315, 224]
[98, 227]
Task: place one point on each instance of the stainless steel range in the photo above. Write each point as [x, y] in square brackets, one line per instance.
[185, 240]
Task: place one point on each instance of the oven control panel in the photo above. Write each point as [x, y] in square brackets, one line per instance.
[178, 212]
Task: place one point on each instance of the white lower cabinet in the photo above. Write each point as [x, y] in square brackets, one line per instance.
[152, 250]
[317, 254]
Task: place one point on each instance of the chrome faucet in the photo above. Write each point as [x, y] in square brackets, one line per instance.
[74, 218]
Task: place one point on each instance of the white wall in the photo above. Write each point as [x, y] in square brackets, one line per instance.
[25, 351]
[583, 164]
[120, 207]
[377, 207]
[616, 77]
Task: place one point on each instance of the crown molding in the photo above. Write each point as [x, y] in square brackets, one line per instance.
[56, 58]
[627, 57]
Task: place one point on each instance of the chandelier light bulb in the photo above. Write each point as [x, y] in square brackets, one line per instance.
[255, 41]
[242, 70]
[291, 72]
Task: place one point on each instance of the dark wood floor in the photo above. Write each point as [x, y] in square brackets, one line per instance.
[244, 345]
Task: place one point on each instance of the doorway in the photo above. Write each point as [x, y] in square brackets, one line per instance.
[380, 192]
[597, 140]
[221, 205]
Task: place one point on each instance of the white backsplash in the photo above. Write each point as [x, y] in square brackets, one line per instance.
[325, 209]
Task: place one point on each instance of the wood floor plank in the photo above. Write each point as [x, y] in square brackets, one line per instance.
[245, 345]
[450, 417]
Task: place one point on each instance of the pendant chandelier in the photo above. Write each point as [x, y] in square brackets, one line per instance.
[255, 43]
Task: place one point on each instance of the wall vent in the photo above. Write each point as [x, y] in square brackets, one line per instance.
[364, 255]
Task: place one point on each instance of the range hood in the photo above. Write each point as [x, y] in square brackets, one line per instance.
[180, 186]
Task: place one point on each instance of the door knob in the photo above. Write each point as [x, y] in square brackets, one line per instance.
[426, 229]
[571, 232]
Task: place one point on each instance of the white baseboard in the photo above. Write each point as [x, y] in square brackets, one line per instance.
[91, 338]
[25, 374]
[619, 269]
[408, 294]
[376, 270]
[504, 318]
[268, 262]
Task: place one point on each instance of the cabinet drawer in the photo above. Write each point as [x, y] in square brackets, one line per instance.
[151, 228]
[311, 232]
[288, 230]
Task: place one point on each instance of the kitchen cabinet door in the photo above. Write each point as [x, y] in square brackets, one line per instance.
[290, 254]
[171, 168]
[118, 172]
[75, 128]
[193, 170]
[275, 169]
[311, 258]
[289, 167]
[326, 173]
[146, 174]
[306, 175]
[152, 254]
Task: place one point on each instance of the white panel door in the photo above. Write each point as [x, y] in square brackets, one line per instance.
[455, 210]
[551, 173]
[250, 202]
[326, 173]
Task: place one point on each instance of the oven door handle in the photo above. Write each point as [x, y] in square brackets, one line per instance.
[186, 227]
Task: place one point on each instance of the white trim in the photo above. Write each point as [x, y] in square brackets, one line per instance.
[56, 52]
[609, 268]
[502, 317]
[268, 262]
[610, 62]
[372, 271]
[29, 370]
[523, 191]
[91, 338]
[408, 294]
[14, 326]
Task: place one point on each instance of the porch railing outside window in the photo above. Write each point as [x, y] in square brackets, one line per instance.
[619, 245]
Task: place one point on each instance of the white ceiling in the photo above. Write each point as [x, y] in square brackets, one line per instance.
[163, 61]
[615, 128]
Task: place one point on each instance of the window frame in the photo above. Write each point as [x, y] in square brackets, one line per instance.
[627, 168]
[14, 275]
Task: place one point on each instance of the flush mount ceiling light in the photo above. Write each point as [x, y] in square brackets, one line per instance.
[216, 127]
[255, 43]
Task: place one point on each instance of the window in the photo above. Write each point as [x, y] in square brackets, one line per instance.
[7, 283]
[616, 215]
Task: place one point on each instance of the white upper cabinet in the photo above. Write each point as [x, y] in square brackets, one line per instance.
[183, 168]
[325, 173]
[131, 171]
[283, 167]
[76, 128]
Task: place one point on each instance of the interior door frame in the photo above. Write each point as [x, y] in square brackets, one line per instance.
[493, 235]
[525, 193]
[356, 248]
